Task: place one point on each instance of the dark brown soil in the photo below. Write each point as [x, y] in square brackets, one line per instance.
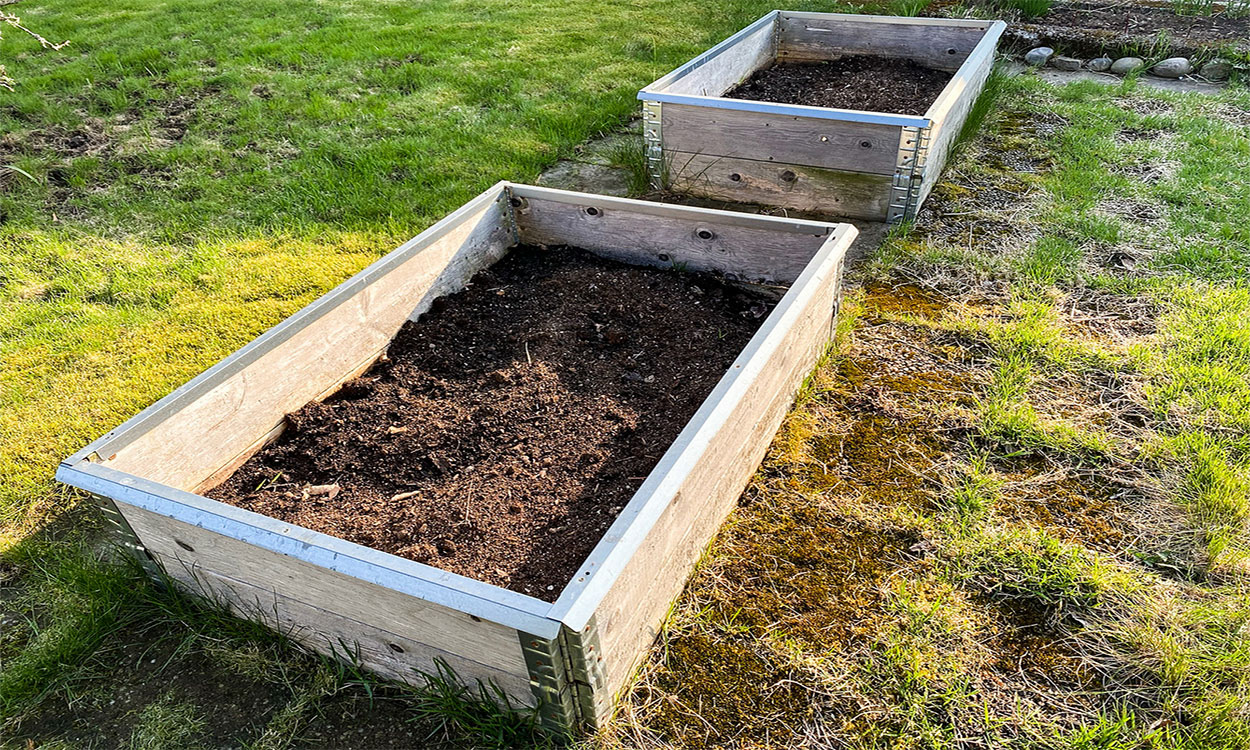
[138, 669]
[512, 422]
[1120, 28]
[862, 82]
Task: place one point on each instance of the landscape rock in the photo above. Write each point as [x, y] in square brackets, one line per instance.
[1065, 63]
[1038, 56]
[1216, 70]
[1173, 67]
[1100, 64]
[1126, 65]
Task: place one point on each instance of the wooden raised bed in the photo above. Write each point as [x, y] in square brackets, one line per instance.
[569, 658]
[870, 165]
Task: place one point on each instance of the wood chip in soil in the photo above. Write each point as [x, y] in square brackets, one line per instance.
[861, 82]
[512, 422]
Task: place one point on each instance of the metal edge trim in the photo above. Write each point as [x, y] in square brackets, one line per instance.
[987, 45]
[499, 605]
[652, 208]
[120, 436]
[791, 110]
[703, 58]
[581, 597]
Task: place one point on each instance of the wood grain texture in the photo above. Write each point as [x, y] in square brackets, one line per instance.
[707, 480]
[484, 648]
[729, 68]
[189, 447]
[763, 136]
[697, 243]
[826, 191]
[949, 114]
[935, 44]
[388, 654]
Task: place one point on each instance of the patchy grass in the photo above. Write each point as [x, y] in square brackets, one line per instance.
[1031, 531]
[1010, 511]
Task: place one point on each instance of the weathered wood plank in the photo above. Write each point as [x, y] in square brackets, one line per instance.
[826, 191]
[728, 68]
[486, 648]
[696, 242]
[391, 655]
[832, 144]
[699, 480]
[224, 423]
[950, 111]
[937, 44]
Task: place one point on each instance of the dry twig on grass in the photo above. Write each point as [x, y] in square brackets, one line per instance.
[9, 19]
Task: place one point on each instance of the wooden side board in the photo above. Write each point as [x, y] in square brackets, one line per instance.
[932, 42]
[950, 111]
[341, 607]
[220, 426]
[644, 561]
[769, 137]
[828, 191]
[722, 69]
[388, 654]
[697, 242]
[401, 618]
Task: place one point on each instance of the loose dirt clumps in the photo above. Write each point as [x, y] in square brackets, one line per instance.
[863, 82]
[836, 581]
[1094, 28]
[227, 709]
[512, 422]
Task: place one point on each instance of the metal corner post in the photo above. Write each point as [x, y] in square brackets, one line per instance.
[913, 154]
[123, 535]
[589, 679]
[547, 661]
[652, 123]
[568, 679]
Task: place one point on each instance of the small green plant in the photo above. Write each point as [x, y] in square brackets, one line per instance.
[1028, 8]
[632, 156]
[908, 7]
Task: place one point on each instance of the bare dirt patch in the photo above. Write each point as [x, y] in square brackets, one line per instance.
[142, 669]
[807, 586]
[1092, 28]
[512, 422]
[863, 82]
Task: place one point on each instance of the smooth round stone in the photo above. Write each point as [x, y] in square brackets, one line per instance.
[1173, 67]
[1216, 70]
[1065, 63]
[1038, 56]
[1126, 65]
[1100, 64]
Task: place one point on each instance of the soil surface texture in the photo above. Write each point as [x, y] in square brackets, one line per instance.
[863, 82]
[509, 425]
[1118, 28]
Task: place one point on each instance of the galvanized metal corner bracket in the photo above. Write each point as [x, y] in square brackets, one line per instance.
[913, 153]
[568, 679]
[508, 206]
[547, 662]
[652, 123]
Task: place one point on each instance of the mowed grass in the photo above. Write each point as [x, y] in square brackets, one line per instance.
[203, 170]
[1011, 512]
[199, 171]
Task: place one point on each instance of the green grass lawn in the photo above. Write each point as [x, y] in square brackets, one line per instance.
[203, 170]
[1072, 483]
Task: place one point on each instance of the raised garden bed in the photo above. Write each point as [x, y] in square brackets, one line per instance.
[1153, 30]
[541, 328]
[709, 134]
